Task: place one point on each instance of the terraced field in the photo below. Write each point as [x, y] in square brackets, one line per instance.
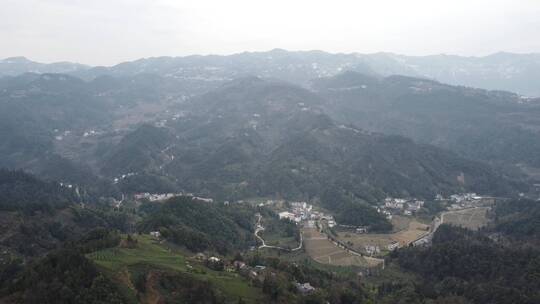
[119, 262]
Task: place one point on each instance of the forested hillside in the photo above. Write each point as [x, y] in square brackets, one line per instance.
[485, 125]
[255, 137]
[472, 267]
[200, 225]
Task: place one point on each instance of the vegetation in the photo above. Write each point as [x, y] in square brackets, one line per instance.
[519, 219]
[200, 225]
[23, 192]
[468, 265]
[167, 269]
[64, 276]
[478, 124]
[350, 211]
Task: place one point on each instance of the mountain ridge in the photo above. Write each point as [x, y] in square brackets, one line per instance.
[513, 72]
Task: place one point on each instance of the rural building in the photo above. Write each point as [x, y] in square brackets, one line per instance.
[213, 259]
[239, 264]
[362, 229]
[393, 246]
[305, 288]
[286, 215]
[200, 256]
[372, 249]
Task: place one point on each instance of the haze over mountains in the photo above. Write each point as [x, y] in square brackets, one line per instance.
[158, 178]
[500, 71]
[257, 137]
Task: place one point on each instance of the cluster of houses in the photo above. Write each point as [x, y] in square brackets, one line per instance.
[392, 206]
[303, 212]
[258, 272]
[157, 197]
[153, 197]
[372, 249]
[60, 135]
[255, 273]
[92, 133]
[304, 288]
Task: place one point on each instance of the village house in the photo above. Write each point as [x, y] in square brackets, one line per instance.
[394, 204]
[213, 259]
[155, 197]
[202, 199]
[200, 256]
[239, 264]
[415, 205]
[393, 246]
[362, 229]
[259, 268]
[286, 215]
[421, 242]
[372, 249]
[155, 234]
[305, 288]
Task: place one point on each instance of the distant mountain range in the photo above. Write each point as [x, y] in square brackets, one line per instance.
[338, 131]
[254, 137]
[247, 137]
[19, 65]
[518, 73]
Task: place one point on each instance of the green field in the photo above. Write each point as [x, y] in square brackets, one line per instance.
[115, 261]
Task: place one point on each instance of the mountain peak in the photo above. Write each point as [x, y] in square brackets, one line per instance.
[16, 59]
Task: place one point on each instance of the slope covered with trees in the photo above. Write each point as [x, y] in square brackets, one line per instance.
[199, 225]
[485, 125]
[467, 264]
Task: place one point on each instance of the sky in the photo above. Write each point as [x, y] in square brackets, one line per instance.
[106, 32]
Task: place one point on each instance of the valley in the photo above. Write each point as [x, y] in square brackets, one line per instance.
[211, 185]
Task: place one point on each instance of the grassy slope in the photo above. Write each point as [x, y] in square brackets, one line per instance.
[116, 260]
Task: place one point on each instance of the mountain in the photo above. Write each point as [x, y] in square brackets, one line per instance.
[236, 141]
[501, 71]
[255, 137]
[37, 216]
[14, 66]
[246, 128]
[54, 124]
[493, 126]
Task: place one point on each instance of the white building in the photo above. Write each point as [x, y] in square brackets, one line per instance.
[287, 215]
[202, 199]
[305, 288]
[372, 249]
[361, 229]
[393, 246]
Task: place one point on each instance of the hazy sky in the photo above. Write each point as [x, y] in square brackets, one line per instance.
[110, 31]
